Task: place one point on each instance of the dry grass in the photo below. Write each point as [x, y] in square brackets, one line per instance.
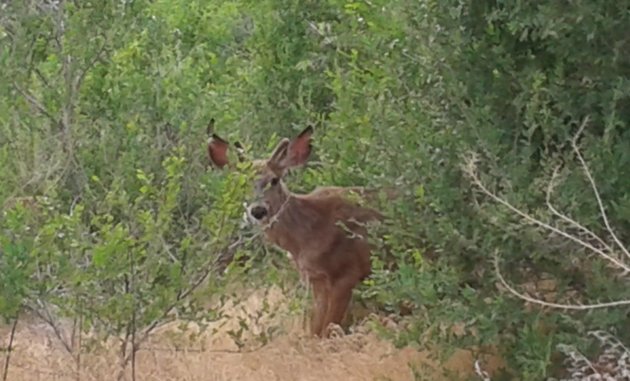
[290, 355]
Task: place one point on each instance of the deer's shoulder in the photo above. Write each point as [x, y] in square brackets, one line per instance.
[335, 192]
[343, 203]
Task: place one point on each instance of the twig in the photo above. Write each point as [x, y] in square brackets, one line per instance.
[124, 357]
[578, 357]
[201, 350]
[147, 331]
[78, 81]
[589, 176]
[48, 319]
[472, 173]
[79, 344]
[7, 358]
[606, 252]
[552, 183]
[527, 298]
[156, 323]
[134, 348]
[36, 103]
[43, 79]
[480, 372]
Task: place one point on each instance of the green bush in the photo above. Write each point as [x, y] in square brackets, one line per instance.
[105, 116]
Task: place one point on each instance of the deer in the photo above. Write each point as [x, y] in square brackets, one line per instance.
[324, 231]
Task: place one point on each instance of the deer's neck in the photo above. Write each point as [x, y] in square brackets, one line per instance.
[295, 224]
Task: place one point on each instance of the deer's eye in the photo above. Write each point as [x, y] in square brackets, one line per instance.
[275, 181]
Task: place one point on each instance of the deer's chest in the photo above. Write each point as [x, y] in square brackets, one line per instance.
[305, 251]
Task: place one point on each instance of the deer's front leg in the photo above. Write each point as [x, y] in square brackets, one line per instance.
[321, 295]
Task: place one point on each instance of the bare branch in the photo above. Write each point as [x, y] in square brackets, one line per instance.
[589, 176]
[605, 251]
[577, 357]
[43, 79]
[550, 188]
[9, 349]
[480, 372]
[35, 103]
[471, 170]
[527, 298]
[44, 314]
[83, 71]
[146, 332]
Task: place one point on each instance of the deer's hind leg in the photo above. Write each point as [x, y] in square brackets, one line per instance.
[340, 295]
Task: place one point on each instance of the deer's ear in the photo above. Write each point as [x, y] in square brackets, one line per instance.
[280, 152]
[298, 149]
[217, 151]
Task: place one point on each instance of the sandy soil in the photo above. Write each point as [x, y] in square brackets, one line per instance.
[289, 355]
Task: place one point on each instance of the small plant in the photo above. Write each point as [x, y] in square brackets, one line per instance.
[612, 364]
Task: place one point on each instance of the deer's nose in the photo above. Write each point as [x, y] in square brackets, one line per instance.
[258, 212]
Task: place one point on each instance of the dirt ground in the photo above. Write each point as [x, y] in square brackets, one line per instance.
[214, 356]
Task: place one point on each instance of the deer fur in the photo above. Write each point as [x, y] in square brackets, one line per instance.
[324, 231]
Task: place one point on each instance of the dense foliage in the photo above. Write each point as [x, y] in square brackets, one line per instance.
[103, 115]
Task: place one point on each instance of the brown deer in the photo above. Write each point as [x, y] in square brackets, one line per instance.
[324, 231]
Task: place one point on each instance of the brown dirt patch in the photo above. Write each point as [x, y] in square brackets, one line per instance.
[288, 355]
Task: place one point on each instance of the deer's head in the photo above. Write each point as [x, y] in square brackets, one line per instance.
[270, 192]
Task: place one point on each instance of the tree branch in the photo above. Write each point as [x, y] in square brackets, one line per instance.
[527, 298]
[606, 251]
[587, 172]
[7, 358]
[78, 81]
[35, 103]
[472, 172]
[550, 188]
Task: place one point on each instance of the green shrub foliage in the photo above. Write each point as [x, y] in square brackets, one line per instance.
[109, 209]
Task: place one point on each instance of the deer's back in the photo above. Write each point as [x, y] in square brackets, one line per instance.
[345, 203]
[341, 246]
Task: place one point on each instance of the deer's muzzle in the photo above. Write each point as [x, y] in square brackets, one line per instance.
[257, 212]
